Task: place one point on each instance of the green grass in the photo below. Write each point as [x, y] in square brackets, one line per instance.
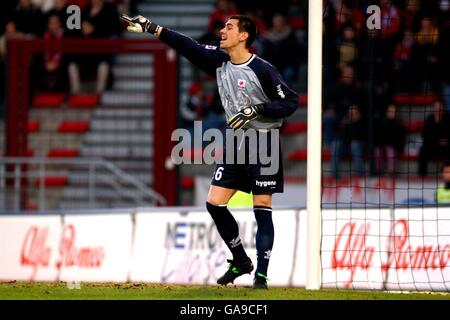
[145, 291]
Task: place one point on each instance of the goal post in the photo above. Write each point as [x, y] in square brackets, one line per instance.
[314, 148]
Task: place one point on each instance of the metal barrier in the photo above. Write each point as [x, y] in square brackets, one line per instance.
[16, 173]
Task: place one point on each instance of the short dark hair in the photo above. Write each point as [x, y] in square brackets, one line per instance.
[246, 24]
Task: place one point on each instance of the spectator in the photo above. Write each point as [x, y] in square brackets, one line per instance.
[347, 93]
[200, 107]
[403, 65]
[349, 13]
[44, 5]
[282, 49]
[99, 20]
[351, 135]
[348, 48]
[88, 64]
[212, 36]
[390, 137]
[6, 13]
[411, 15]
[443, 15]
[442, 194]
[444, 61]
[390, 21]
[60, 9]
[104, 18]
[10, 32]
[53, 66]
[436, 138]
[375, 68]
[221, 12]
[261, 27]
[28, 18]
[425, 55]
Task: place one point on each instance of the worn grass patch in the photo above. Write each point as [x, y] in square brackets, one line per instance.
[146, 291]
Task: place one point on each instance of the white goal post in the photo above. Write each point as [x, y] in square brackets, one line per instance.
[314, 151]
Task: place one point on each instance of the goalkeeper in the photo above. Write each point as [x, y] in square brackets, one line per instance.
[254, 96]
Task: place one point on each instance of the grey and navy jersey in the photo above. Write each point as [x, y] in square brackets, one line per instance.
[253, 82]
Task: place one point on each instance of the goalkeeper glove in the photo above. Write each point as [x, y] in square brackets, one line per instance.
[246, 115]
[140, 24]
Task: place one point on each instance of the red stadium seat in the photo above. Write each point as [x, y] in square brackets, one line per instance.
[294, 127]
[84, 101]
[29, 153]
[415, 99]
[33, 126]
[414, 126]
[31, 206]
[63, 153]
[303, 100]
[68, 126]
[52, 181]
[48, 100]
[301, 155]
[187, 183]
[409, 157]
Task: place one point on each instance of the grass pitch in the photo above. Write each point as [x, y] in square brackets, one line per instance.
[146, 291]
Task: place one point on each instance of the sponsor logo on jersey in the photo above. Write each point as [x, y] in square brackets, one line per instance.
[241, 83]
[210, 47]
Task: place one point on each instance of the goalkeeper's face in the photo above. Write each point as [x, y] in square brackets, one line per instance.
[231, 37]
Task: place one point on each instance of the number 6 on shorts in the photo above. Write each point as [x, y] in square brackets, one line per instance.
[218, 174]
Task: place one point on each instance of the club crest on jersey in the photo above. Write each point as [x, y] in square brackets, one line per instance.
[241, 83]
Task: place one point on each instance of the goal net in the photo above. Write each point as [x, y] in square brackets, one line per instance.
[385, 209]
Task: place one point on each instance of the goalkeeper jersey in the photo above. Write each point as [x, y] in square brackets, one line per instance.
[253, 82]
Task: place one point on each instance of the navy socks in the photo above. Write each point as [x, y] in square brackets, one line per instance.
[264, 237]
[228, 230]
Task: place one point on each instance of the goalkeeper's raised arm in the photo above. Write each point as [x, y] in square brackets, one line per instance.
[207, 58]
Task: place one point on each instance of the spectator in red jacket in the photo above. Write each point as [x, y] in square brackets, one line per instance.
[54, 71]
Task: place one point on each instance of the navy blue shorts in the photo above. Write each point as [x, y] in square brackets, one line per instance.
[251, 166]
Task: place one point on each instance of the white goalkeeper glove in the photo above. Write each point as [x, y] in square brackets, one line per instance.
[246, 115]
[140, 24]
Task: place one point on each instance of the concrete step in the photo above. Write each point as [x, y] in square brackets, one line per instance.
[130, 71]
[52, 140]
[118, 138]
[144, 125]
[68, 204]
[135, 165]
[189, 31]
[124, 98]
[104, 178]
[191, 8]
[133, 85]
[102, 194]
[134, 59]
[179, 22]
[120, 113]
[114, 152]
